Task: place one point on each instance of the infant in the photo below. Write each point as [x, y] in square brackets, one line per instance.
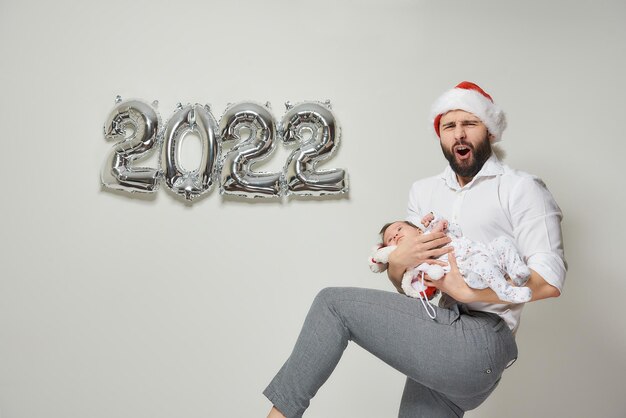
[482, 265]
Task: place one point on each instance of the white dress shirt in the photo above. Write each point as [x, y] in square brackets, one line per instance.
[499, 201]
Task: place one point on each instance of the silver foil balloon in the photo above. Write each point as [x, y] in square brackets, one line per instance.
[199, 120]
[313, 126]
[237, 176]
[143, 121]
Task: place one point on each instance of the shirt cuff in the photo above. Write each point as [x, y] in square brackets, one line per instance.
[550, 267]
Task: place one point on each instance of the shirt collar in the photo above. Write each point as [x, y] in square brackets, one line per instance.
[492, 167]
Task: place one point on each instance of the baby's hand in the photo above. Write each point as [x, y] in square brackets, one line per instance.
[440, 226]
[426, 220]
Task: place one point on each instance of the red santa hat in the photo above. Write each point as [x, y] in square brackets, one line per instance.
[471, 98]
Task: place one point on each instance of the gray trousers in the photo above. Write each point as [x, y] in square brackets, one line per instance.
[452, 363]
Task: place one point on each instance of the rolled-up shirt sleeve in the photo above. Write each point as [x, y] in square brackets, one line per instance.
[536, 220]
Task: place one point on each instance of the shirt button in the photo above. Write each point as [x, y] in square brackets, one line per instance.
[488, 371]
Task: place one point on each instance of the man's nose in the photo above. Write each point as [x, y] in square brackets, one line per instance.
[459, 132]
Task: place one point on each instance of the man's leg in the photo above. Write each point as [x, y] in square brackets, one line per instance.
[420, 401]
[394, 328]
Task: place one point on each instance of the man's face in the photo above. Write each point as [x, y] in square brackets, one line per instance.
[397, 231]
[465, 143]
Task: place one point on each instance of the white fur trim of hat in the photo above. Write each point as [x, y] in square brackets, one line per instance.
[471, 98]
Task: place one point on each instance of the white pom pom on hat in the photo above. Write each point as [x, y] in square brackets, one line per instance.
[471, 98]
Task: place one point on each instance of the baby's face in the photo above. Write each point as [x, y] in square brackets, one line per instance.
[398, 231]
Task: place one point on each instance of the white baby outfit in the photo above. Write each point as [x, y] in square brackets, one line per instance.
[485, 265]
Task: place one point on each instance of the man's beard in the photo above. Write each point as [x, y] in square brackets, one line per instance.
[471, 167]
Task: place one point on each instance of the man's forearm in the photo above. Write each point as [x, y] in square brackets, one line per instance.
[540, 288]
[395, 273]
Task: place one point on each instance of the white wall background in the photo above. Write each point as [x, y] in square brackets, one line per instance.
[119, 306]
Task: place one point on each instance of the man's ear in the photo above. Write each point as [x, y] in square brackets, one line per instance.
[491, 137]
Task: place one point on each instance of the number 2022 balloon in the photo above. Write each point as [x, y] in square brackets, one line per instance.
[253, 129]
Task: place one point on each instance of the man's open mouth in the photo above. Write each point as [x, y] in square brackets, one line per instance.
[462, 150]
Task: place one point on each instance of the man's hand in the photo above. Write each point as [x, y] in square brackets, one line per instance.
[452, 282]
[412, 252]
[425, 248]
